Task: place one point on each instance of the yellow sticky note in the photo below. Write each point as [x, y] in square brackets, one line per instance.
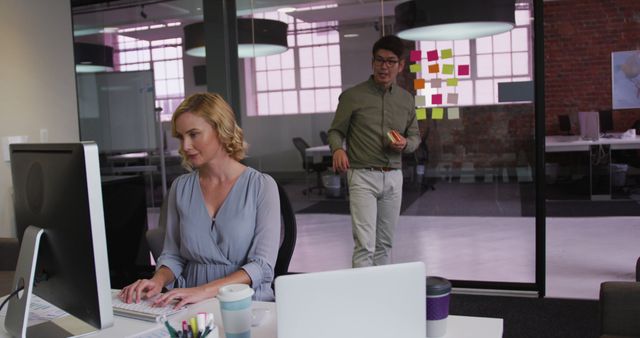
[453, 113]
[418, 84]
[421, 101]
[446, 53]
[434, 68]
[452, 82]
[415, 68]
[421, 114]
[447, 69]
[437, 113]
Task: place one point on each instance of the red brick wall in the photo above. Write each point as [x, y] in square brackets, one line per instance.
[579, 36]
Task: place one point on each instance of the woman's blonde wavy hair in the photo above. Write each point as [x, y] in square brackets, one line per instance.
[217, 112]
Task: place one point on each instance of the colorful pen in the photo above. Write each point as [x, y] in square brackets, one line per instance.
[172, 332]
[210, 325]
[185, 329]
[201, 318]
[194, 327]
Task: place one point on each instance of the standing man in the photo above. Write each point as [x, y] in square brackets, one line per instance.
[378, 120]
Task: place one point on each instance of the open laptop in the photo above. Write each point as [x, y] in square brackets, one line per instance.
[373, 302]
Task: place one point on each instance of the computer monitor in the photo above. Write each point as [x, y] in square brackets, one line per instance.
[564, 124]
[606, 121]
[59, 218]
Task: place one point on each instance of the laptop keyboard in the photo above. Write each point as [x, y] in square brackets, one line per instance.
[143, 310]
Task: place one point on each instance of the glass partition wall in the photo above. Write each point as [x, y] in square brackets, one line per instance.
[591, 165]
[126, 106]
[469, 192]
[131, 74]
[469, 195]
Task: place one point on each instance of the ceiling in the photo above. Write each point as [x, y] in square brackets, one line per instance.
[123, 13]
[93, 16]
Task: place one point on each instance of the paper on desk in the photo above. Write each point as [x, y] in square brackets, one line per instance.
[629, 134]
[159, 332]
[40, 311]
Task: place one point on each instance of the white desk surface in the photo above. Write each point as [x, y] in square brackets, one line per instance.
[126, 327]
[317, 152]
[457, 326]
[473, 327]
[561, 143]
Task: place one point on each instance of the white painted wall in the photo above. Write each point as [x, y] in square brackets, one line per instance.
[37, 81]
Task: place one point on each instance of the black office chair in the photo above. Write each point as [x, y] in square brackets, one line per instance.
[155, 236]
[309, 166]
[324, 137]
[288, 234]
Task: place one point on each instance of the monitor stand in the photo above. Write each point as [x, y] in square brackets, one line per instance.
[17, 319]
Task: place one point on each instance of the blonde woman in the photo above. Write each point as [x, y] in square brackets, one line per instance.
[223, 218]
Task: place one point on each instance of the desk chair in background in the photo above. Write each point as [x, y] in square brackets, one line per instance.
[324, 137]
[155, 236]
[288, 234]
[309, 166]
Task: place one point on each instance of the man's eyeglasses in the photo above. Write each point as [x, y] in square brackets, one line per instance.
[379, 61]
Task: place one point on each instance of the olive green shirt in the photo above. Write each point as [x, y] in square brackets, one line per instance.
[366, 112]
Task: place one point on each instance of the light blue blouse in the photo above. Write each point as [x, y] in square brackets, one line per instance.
[244, 235]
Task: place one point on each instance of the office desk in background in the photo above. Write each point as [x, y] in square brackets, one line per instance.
[147, 165]
[600, 155]
[317, 153]
[561, 143]
[457, 326]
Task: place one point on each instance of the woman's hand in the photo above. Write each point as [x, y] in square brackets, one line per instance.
[142, 288]
[185, 296]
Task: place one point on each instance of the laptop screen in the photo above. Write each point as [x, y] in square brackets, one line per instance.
[373, 302]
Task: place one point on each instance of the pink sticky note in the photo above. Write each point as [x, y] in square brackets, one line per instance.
[436, 99]
[415, 55]
[432, 55]
[463, 70]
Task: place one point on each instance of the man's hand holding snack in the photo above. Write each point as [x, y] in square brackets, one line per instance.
[398, 142]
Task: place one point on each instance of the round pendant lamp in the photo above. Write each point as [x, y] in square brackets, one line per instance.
[421, 20]
[256, 37]
[92, 58]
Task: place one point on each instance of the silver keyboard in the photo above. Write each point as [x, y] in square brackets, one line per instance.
[143, 310]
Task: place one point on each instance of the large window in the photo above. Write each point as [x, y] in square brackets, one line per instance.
[493, 59]
[304, 79]
[165, 55]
